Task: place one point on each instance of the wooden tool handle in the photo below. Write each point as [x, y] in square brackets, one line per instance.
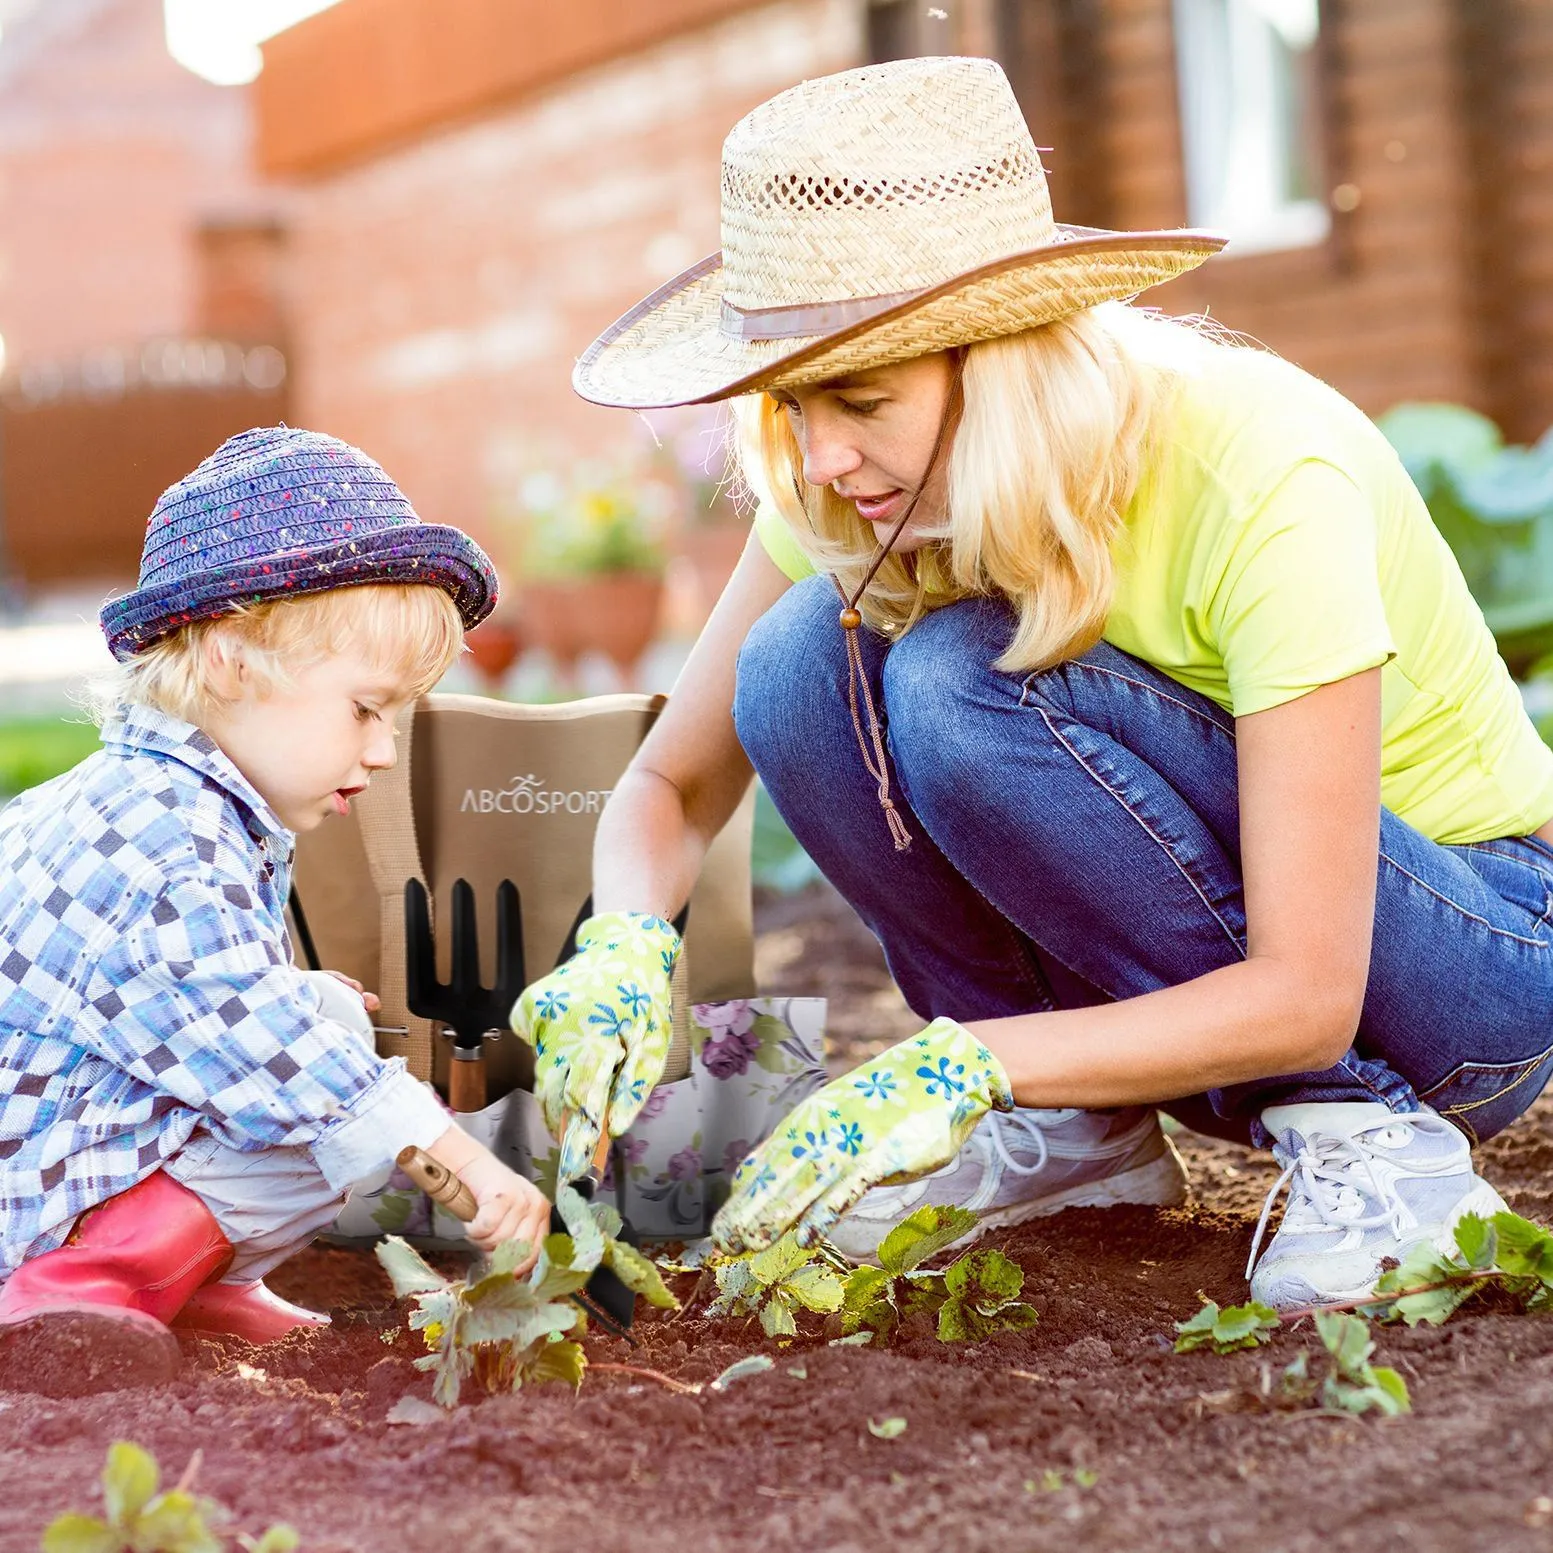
[466, 1080]
[601, 1154]
[438, 1182]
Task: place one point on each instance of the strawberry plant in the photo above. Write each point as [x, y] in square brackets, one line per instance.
[1505, 1252]
[775, 1283]
[502, 1331]
[1237, 1326]
[138, 1519]
[974, 1297]
[1352, 1384]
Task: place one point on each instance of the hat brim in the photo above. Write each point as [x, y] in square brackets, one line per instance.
[430, 553]
[670, 349]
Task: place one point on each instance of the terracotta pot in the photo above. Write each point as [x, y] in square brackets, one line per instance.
[613, 613]
[713, 550]
[495, 645]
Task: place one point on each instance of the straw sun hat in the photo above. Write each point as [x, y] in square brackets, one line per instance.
[870, 217]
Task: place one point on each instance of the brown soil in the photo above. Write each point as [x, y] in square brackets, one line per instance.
[297, 1431]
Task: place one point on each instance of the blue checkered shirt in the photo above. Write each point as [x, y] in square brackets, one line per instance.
[147, 989]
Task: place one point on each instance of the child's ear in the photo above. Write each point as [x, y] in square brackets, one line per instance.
[226, 673]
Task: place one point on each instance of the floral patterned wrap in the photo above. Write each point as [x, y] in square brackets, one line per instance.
[753, 1060]
[903, 1114]
[599, 1025]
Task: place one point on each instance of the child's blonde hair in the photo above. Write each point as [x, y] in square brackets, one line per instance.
[411, 630]
[1053, 435]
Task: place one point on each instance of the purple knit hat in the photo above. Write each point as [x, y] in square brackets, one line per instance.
[275, 512]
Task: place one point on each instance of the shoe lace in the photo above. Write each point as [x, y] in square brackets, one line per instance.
[1327, 1177]
[992, 1140]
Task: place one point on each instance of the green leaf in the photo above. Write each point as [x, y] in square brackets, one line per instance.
[814, 1287]
[1525, 1249]
[1234, 1327]
[987, 1280]
[607, 1217]
[518, 1326]
[738, 1290]
[279, 1538]
[852, 1340]
[407, 1269]
[887, 1428]
[73, 1533]
[863, 1286]
[1477, 1241]
[503, 1261]
[587, 1237]
[176, 1523]
[639, 1274]
[128, 1482]
[562, 1362]
[1346, 1338]
[777, 1319]
[921, 1235]
[742, 1369]
[961, 1322]
[779, 1261]
[555, 1273]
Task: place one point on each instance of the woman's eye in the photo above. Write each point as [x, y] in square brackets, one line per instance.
[861, 406]
[365, 714]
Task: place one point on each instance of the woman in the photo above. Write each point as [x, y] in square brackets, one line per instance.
[1202, 785]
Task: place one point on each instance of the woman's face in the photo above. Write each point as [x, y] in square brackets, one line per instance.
[870, 436]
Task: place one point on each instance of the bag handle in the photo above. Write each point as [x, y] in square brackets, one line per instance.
[387, 819]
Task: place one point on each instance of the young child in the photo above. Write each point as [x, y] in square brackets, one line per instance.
[181, 1108]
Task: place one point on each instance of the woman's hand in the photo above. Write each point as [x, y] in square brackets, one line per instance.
[900, 1116]
[600, 1028]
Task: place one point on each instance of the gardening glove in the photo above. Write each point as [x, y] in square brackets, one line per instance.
[599, 1026]
[898, 1117]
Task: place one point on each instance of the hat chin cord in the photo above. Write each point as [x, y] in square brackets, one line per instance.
[860, 697]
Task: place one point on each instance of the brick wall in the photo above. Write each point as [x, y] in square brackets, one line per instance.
[1388, 308]
[441, 290]
[108, 152]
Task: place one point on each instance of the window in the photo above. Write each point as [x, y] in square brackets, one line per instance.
[1250, 120]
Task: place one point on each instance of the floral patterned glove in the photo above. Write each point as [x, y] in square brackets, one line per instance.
[897, 1117]
[599, 1026]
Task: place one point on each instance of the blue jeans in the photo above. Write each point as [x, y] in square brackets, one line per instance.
[1076, 840]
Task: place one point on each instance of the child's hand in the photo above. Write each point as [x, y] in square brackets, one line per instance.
[370, 1000]
[507, 1206]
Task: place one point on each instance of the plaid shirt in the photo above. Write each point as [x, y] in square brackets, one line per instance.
[146, 989]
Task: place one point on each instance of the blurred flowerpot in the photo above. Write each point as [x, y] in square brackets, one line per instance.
[495, 645]
[713, 550]
[613, 613]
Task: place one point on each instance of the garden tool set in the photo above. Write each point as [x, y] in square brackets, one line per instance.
[462, 1004]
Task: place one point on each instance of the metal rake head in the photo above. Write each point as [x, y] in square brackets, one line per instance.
[463, 1004]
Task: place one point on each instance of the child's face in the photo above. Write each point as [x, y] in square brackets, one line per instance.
[309, 746]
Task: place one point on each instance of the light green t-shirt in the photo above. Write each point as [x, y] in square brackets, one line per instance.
[1276, 544]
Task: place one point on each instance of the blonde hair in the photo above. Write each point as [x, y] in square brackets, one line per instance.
[1055, 429]
[412, 630]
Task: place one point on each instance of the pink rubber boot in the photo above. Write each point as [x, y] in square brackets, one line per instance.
[94, 1315]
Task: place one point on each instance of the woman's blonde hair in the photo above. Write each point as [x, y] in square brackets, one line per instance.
[411, 630]
[1053, 434]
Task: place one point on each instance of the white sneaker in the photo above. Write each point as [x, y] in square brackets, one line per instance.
[1024, 1164]
[1364, 1183]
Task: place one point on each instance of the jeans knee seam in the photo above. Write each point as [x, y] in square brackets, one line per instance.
[1137, 684]
[1143, 825]
[1460, 910]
